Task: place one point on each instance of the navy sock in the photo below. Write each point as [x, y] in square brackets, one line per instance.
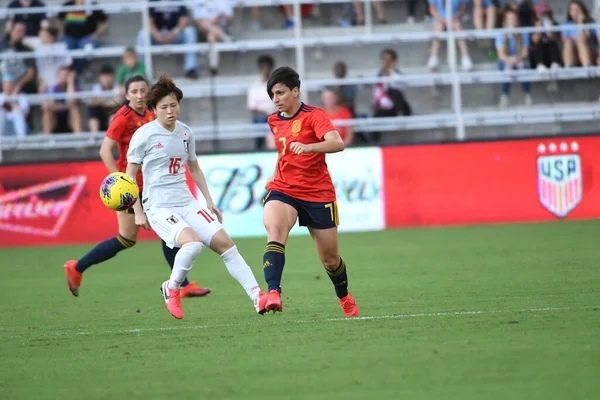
[273, 262]
[339, 278]
[104, 251]
[170, 257]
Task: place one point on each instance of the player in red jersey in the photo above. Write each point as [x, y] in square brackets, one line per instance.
[301, 188]
[132, 115]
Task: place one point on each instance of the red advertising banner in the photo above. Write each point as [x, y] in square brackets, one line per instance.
[54, 204]
[495, 182]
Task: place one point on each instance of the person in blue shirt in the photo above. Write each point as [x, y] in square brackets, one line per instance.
[577, 42]
[484, 10]
[513, 54]
[437, 8]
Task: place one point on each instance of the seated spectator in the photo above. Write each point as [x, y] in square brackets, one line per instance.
[437, 9]
[484, 14]
[169, 25]
[100, 108]
[213, 19]
[62, 115]
[18, 74]
[388, 99]
[411, 6]
[513, 53]
[347, 93]
[259, 102]
[305, 11]
[337, 112]
[33, 22]
[131, 66]
[51, 56]
[256, 26]
[577, 42]
[82, 30]
[360, 15]
[13, 117]
[545, 50]
[524, 9]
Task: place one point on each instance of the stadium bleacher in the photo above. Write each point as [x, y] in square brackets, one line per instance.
[313, 49]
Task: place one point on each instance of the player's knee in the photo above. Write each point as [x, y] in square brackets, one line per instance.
[193, 249]
[221, 242]
[276, 233]
[331, 261]
[127, 241]
[187, 235]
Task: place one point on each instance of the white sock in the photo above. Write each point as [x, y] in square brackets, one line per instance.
[183, 263]
[237, 267]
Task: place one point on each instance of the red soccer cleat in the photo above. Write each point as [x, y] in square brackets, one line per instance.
[172, 300]
[191, 290]
[349, 306]
[261, 307]
[274, 301]
[73, 277]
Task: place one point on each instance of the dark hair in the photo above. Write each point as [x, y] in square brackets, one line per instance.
[52, 31]
[587, 19]
[391, 52]
[133, 79]
[265, 59]
[284, 75]
[340, 68]
[130, 50]
[162, 88]
[107, 70]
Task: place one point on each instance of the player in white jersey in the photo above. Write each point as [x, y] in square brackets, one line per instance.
[163, 148]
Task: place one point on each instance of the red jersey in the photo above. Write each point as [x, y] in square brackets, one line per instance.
[341, 114]
[122, 128]
[303, 176]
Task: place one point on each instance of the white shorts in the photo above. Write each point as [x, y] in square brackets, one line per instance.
[169, 222]
[212, 9]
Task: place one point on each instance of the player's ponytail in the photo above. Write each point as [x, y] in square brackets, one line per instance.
[162, 88]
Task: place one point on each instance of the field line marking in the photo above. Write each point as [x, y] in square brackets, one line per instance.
[311, 321]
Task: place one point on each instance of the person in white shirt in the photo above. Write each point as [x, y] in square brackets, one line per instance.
[163, 148]
[51, 56]
[259, 102]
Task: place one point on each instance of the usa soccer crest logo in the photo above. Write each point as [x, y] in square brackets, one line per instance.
[560, 185]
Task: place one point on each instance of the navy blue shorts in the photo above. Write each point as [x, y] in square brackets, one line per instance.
[315, 215]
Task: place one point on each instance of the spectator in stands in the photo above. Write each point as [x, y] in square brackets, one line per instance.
[577, 42]
[256, 26]
[545, 50]
[169, 25]
[82, 30]
[513, 53]
[213, 19]
[388, 99]
[360, 15]
[484, 14]
[437, 9]
[259, 102]
[13, 117]
[51, 56]
[411, 7]
[33, 22]
[305, 12]
[100, 108]
[337, 112]
[18, 74]
[62, 115]
[347, 93]
[131, 66]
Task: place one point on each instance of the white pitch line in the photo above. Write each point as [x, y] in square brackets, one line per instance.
[312, 321]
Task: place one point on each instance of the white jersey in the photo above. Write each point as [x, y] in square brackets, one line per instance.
[163, 155]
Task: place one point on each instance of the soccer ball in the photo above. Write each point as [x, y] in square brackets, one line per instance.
[119, 192]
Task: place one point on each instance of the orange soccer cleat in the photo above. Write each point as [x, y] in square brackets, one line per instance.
[349, 306]
[73, 277]
[274, 301]
[191, 290]
[172, 300]
[261, 304]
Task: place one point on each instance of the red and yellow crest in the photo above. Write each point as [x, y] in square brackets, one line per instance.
[296, 127]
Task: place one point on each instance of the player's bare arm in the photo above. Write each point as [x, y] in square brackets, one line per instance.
[332, 143]
[140, 216]
[200, 181]
[106, 154]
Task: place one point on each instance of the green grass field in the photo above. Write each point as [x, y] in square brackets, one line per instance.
[491, 312]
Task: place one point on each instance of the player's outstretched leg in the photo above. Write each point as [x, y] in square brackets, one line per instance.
[326, 241]
[188, 289]
[279, 218]
[222, 244]
[190, 249]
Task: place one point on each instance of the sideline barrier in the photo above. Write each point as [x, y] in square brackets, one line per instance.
[431, 185]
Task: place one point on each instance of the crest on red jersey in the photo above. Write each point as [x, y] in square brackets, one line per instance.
[296, 127]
